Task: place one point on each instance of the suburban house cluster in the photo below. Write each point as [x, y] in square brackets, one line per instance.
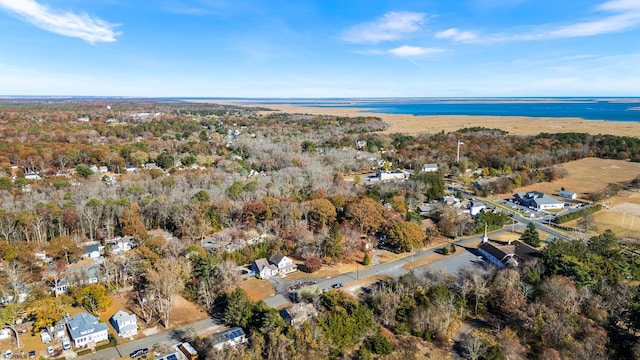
[277, 264]
[85, 330]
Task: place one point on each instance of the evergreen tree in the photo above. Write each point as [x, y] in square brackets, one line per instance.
[333, 244]
[531, 235]
[366, 260]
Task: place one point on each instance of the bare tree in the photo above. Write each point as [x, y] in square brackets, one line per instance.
[475, 280]
[166, 281]
[474, 347]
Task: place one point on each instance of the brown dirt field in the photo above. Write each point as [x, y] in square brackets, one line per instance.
[325, 271]
[517, 125]
[185, 312]
[258, 289]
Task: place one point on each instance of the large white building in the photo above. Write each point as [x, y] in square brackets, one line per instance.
[538, 201]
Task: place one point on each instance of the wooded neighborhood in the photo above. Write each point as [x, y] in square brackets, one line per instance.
[142, 203]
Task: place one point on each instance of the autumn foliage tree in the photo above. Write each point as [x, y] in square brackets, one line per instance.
[365, 213]
[321, 214]
[94, 298]
[405, 236]
[313, 264]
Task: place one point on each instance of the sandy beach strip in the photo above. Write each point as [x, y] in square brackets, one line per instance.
[412, 124]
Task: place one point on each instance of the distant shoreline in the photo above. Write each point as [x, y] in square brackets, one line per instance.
[416, 124]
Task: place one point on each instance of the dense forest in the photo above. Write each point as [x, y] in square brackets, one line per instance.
[184, 180]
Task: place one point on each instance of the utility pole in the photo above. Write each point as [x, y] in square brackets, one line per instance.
[458, 152]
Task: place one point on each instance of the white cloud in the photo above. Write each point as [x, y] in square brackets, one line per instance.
[457, 35]
[64, 23]
[411, 51]
[626, 15]
[391, 26]
[622, 15]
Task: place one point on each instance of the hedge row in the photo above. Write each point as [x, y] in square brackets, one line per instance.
[577, 214]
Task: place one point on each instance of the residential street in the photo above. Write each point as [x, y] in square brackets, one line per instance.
[451, 264]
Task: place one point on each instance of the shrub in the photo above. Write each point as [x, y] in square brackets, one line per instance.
[366, 261]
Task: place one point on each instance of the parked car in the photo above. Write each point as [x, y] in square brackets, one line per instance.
[32, 354]
[8, 354]
[139, 352]
[50, 350]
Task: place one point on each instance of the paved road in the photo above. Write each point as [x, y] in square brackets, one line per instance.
[169, 338]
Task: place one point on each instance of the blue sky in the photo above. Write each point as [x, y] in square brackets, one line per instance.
[320, 48]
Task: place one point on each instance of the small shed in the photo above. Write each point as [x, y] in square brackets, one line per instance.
[567, 195]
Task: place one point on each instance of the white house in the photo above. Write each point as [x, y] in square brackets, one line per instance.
[92, 251]
[264, 269]
[85, 329]
[429, 168]
[476, 209]
[391, 175]
[283, 263]
[126, 325]
[32, 176]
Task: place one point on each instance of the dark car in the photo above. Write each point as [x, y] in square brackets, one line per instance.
[32, 354]
[336, 285]
[139, 352]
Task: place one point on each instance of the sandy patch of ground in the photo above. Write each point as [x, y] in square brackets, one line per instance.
[185, 312]
[430, 259]
[354, 286]
[258, 289]
[518, 125]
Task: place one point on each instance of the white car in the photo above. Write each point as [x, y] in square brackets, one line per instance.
[50, 350]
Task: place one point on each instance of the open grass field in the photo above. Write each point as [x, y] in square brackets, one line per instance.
[257, 289]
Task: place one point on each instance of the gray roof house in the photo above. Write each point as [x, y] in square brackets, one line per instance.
[264, 269]
[297, 314]
[85, 330]
[513, 254]
[283, 263]
[126, 325]
[92, 250]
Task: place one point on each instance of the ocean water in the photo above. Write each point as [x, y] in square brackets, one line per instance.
[611, 109]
